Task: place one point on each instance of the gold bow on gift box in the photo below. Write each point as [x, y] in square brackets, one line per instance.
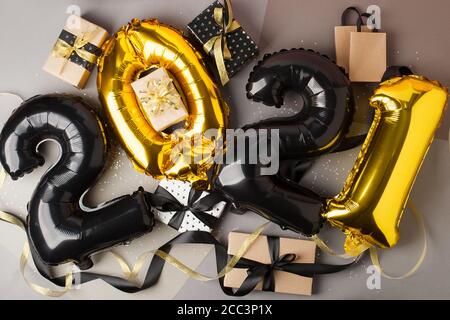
[218, 44]
[64, 50]
[159, 95]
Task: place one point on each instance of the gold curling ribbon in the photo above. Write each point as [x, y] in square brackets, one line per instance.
[373, 250]
[9, 218]
[248, 242]
[129, 273]
[134, 272]
[218, 44]
[325, 248]
[42, 290]
[4, 216]
[63, 50]
[421, 222]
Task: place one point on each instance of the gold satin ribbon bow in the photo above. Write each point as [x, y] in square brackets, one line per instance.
[64, 50]
[158, 95]
[218, 44]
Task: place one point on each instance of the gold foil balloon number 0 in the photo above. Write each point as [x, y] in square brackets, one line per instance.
[138, 47]
[408, 111]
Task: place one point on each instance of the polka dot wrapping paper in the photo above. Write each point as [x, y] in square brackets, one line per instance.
[180, 190]
[241, 45]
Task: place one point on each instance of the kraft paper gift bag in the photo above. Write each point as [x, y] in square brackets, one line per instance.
[367, 56]
[342, 37]
[359, 50]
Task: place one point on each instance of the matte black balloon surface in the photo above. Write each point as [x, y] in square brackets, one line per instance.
[317, 129]
[59, 229]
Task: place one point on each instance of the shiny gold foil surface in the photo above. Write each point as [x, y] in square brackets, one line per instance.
[408, 110]
[186, 154]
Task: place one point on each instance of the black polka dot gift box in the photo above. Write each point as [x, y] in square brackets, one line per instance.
[186, 209]
[224, 40]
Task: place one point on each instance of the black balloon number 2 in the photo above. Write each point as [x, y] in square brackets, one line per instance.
[58, 228]
[320, 127]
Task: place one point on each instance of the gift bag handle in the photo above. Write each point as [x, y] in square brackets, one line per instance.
[366, 15]
[359, 22]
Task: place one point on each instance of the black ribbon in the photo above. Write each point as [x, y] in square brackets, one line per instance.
[70, 39]
[154, 270]
[258, 271]
[163, 200]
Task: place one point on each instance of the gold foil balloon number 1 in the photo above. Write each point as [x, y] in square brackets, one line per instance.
[408, 111]
[138, 47]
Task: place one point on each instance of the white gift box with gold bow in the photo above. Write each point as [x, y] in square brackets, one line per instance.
[76, 51]
[159, 99]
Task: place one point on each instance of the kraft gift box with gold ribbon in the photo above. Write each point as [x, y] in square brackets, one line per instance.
[224, 39]
[159, 99]
[76, 51]
[261, 254]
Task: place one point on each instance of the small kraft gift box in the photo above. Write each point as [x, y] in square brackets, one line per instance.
[76, 51]
[223, 39]
[277, 253]
[159, 99]
[190, 216]
[360, 50]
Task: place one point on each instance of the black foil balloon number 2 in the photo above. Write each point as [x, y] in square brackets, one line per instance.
[58, 228]
[320, 127]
